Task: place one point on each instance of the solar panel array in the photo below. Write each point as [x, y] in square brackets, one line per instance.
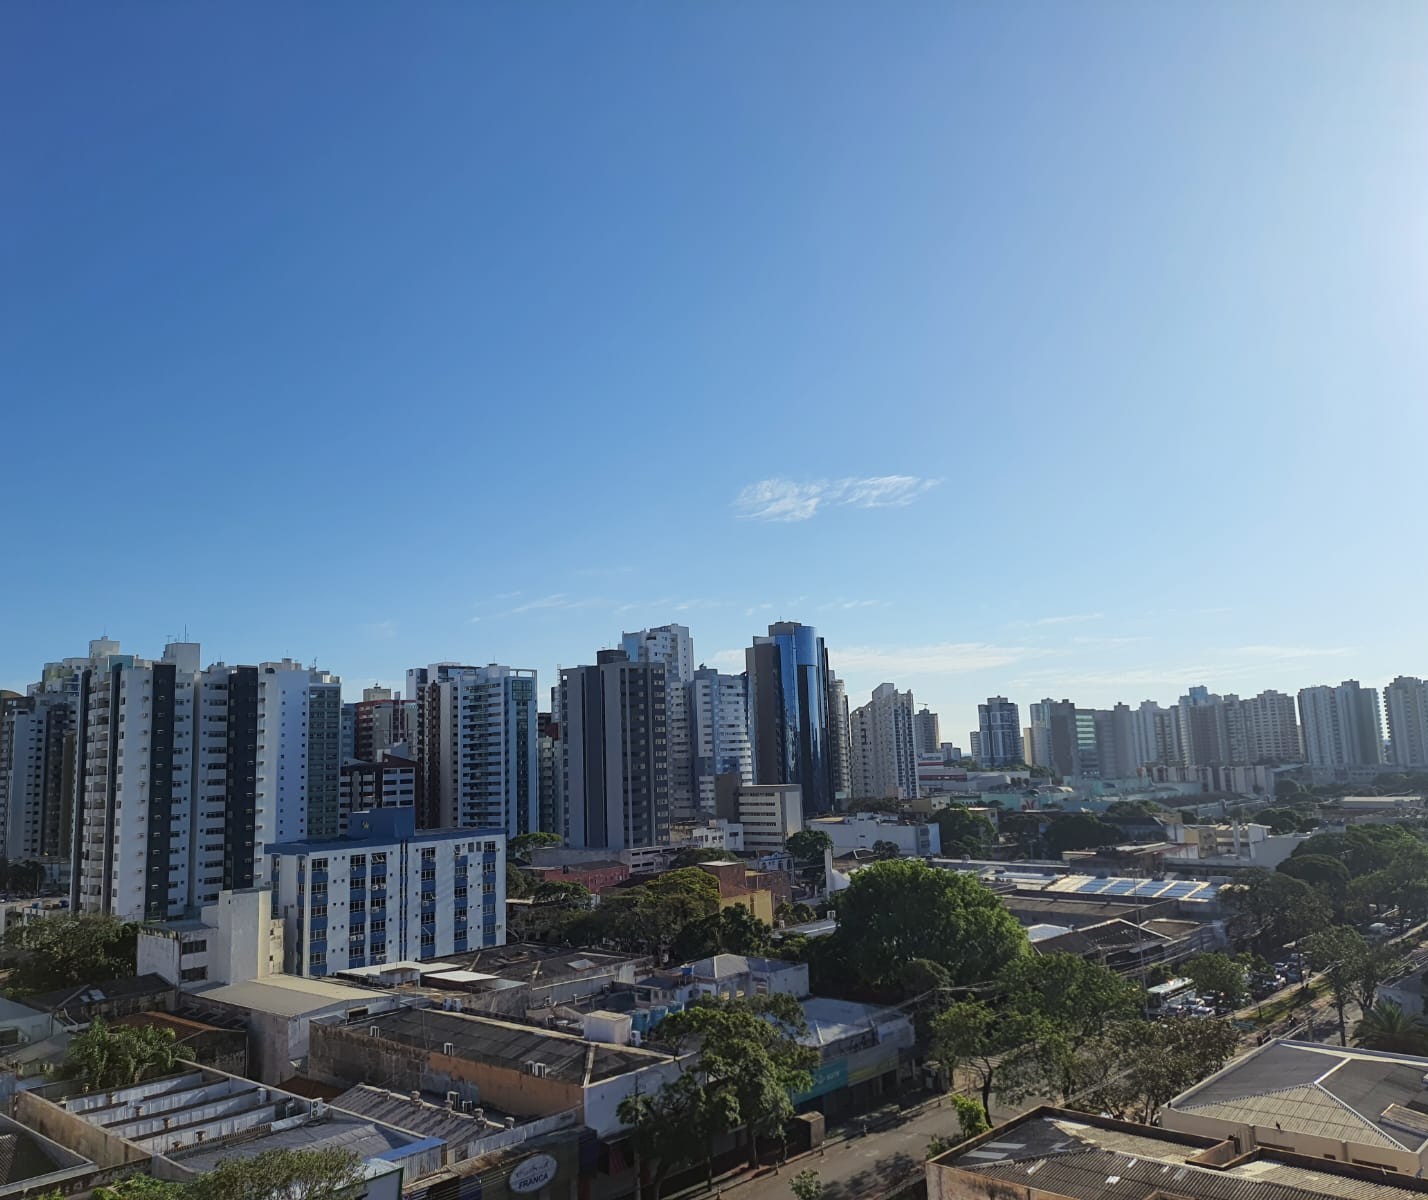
[1148, 889]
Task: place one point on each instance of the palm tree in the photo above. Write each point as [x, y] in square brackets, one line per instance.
[1387, 1027]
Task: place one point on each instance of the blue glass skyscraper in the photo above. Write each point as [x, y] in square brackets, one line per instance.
[788, 712]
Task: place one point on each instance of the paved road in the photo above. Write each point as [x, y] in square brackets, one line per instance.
[860, 1166]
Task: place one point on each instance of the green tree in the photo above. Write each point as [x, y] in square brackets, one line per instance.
[1326, 875]
[970, 1117]
[1216, 972]
[690, 856]
[1340, 953]
[1387, 1027]
[1279, 820]
[732, 930]
[1079, 831]
[875, 804]
[1068, 991]
[138, 1187]
[518, 848]
[675, 1127]
[1145, 1063]
[68, 951]
[806, 1185]
[560, 891]
[110, 1056]
[750, 1055]
[330, 1174]
[964, 832]
[884, 850]
[972, 1037]
[1271, 908]
[807, 846]
[903, 909]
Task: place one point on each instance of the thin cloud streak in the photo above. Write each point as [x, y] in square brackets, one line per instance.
[779, 499]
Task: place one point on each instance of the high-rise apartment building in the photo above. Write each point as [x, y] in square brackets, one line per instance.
[1341, 725]
[1037, 736]
[1155, 732]
[1406, 701]
[615, 756]
[188, 774]
[840, 743]
[1116, 742]
[380, 723]
[884, 754]
[927, 732]
[1270, 729]
[478, 731]
[1065, 739]
[718, 715]
[998, 742]
[788, 712]
[37, 773]
[673, 648]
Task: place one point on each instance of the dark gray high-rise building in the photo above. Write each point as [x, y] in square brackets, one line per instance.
[788, 712]
[998, 741]
[614, 738]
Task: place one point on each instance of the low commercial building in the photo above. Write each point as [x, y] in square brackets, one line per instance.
[597, 874]
[730, 976]
[863, 830]
[865, 1053]
[183, 1125]
[770, 813]
[1366, 1107]
[384, 892]
[518, 1069]
[1056, 1154]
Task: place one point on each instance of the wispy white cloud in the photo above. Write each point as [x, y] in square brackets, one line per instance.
[379, 630]
[939, 658]
[1277, 652]
[557, 602]
[1065, 619]
[726, 659]
[779, 499]
[1105, 643]
[847, 605]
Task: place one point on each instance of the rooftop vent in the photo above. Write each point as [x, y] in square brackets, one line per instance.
[539, 1069]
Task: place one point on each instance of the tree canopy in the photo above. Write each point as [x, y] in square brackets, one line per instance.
[750, 1061]
[964, 831]
[1079, 831]
[69, 950]
[118, 1055]
[903, 909]
[1219, 973]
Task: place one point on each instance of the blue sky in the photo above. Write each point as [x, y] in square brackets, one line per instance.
[1036, 348]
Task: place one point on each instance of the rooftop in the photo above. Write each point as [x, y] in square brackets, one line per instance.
[285, 995]
[728, 966]
[95, 993]
[1349, 1094]
[831, 1021]
[505, 1044]
[425, 1116]
[1083, 1157]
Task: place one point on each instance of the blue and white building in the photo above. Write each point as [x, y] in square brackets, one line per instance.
[385, 893]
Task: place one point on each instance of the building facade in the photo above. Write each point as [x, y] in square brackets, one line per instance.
[788, 711]
[673, 648]
[999, 742]
[386, 893]
[840, 742]
[1341, 725]
[478, 735]
[927, 732]
[1406, 702]
[614, 747]
[884, 754]
[718, 715]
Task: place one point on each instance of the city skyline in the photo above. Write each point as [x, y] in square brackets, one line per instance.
[602, 353]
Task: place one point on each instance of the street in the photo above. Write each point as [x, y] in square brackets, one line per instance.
[860, 1166]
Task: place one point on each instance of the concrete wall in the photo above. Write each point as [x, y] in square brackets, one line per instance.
[1308, 1144]
[75, 1133]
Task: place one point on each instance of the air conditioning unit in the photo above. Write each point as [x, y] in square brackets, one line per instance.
[538, 1069]
[373, 1030]
[448, 1049]
[453, 1099]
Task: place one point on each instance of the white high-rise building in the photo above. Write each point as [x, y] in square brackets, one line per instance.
[884, 754]
[134, 855]
[1341, 725]
[1155, 735]
[672, 646]
[480, 748]
[187, 774]
[718, 733]
[1406, 700]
